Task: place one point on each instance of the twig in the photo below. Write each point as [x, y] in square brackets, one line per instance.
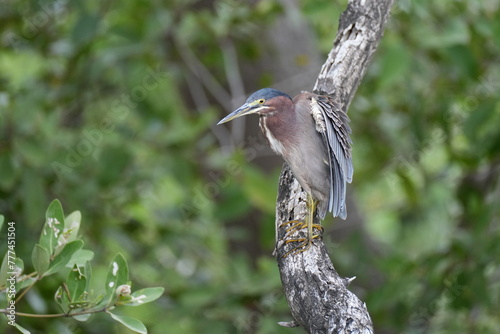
[201, 72]
[27, 289]
[201, 101]
[235, 87]
[57, 315]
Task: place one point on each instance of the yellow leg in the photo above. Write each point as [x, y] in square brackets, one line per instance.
[311, 205]
[296, 225]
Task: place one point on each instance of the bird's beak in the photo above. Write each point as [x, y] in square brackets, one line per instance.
[246, 109]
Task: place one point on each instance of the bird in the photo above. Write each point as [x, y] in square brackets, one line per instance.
[312, 134]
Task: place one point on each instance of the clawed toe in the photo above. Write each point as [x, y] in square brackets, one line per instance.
[304, 243]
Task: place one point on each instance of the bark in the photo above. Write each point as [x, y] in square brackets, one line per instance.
[317, 296]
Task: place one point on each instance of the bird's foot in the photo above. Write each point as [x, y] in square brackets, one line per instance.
[304, 243]
[296, 225]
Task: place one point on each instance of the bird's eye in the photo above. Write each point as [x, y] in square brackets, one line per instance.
[261, 101]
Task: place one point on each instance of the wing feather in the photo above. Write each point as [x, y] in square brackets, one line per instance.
[333, 125]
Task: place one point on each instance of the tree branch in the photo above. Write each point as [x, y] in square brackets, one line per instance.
[317, 296]
[360, 30]
[57, 315]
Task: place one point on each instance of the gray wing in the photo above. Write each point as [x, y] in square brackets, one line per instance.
[333, 125]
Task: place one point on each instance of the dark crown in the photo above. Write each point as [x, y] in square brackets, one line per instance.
[266, 94]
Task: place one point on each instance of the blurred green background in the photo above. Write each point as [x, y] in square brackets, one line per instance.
[111, 107]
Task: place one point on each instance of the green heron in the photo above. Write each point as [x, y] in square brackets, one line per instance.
[311, 133]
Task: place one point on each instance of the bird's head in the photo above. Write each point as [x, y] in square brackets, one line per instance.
[262, 101]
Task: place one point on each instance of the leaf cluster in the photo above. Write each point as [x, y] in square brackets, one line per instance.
[60, 248]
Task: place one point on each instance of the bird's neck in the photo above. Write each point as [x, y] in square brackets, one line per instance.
[279, 127]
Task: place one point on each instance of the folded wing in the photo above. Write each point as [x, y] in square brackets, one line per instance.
[333, 125]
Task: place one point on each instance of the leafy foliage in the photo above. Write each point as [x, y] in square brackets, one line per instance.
[75, 297]
[111, 109]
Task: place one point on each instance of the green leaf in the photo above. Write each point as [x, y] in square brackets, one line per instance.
[64, 257]
[1, 221]
[81, 256]
[3, 270]
[25, 283]
[6, 270]
[82, 317]
[61, 299]
[117, 275]
[76, 283]
[88, 274]
[19, 265]
[41, 259]
[144, 296]
[129, 322]
[58, 296]
[71, 226]
[54, 225]
[22, 329]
